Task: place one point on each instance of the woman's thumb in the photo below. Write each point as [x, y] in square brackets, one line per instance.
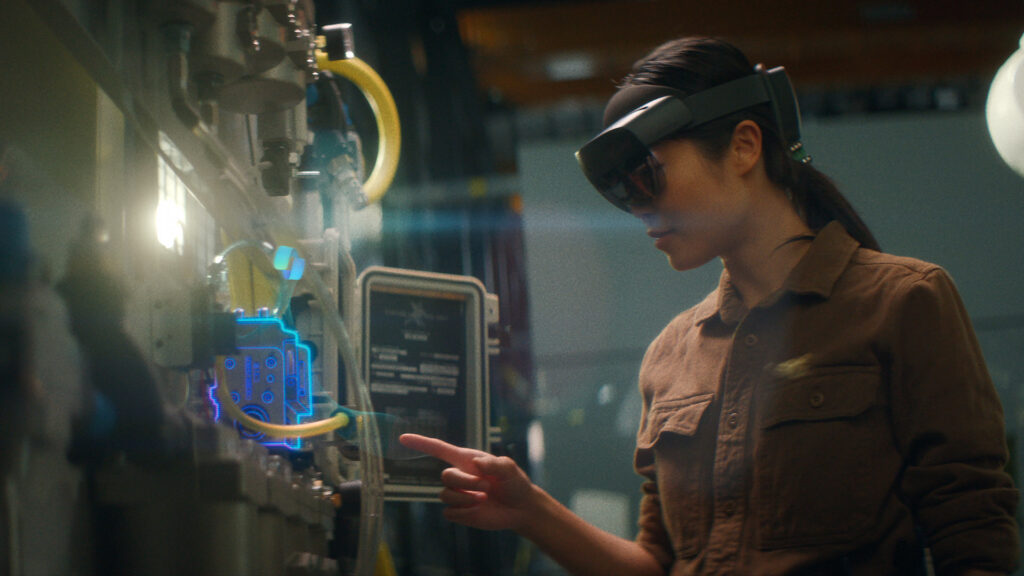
[497, 466]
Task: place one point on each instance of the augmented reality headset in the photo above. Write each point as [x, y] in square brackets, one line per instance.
[618, 161]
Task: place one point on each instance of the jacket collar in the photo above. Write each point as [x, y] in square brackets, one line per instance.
[816, 273]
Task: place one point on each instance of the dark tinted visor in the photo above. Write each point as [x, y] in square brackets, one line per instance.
[616, 161]
[616, 168]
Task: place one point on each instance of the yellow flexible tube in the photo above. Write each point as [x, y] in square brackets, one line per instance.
[385, 112]
[339, 420]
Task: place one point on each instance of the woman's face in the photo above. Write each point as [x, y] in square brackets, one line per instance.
[701, 211]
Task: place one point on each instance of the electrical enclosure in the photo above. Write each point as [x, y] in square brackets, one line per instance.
[424, 355]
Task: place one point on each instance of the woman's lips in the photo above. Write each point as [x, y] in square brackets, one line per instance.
[662, 237]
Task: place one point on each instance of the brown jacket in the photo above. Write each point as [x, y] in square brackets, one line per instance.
[826, 429]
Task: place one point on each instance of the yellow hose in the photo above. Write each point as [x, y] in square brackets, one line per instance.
[385, 564]
[385, 112]
[335, 422]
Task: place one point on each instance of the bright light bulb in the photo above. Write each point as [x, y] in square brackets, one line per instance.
[170, 225]
[1004, 110]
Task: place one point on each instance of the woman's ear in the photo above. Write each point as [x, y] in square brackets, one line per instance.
[745, 148]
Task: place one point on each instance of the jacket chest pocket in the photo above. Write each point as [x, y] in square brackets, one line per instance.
[675, 416]
[669, 436]
[824, 458]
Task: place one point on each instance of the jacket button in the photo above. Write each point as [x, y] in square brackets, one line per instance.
[729, 508]
[817, 399]
[733, 420]
[750, 339]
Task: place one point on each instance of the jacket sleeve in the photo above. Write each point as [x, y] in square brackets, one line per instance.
[948, 424]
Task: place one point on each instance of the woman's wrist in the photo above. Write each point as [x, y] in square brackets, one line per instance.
[534, 513]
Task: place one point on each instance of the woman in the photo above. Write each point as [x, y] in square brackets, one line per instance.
[826, 410]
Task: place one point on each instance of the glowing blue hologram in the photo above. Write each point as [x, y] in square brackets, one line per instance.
[297, 269]
[256, 413]
[212, 395]
[288, 261]
[274, 378]
[283, 257]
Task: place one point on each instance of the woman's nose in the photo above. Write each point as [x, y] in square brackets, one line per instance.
[644, 213]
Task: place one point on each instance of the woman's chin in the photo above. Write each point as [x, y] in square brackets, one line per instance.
[683, 256]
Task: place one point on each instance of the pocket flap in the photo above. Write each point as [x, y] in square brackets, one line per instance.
[677, 416]
[836, 393]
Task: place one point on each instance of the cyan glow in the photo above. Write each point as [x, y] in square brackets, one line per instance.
[283, 257]
[297, 269]
[271, 376]
[288, 261]
[212, 395]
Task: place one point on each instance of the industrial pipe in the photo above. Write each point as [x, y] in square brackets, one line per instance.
[385, 112]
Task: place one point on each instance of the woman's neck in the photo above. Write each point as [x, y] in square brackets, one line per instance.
[770, 248]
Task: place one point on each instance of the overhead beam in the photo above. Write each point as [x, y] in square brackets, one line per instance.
[834, 44]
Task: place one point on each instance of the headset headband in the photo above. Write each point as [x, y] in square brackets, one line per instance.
[763, 86]
[640, 116]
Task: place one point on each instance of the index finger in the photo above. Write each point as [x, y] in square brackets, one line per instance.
[461, 458]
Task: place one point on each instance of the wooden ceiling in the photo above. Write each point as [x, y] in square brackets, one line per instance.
[534, 54]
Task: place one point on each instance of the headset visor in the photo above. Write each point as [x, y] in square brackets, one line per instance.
[618, 161]
[622, 170]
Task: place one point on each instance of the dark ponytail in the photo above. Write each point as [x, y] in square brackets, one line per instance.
[819, 202]
[695, 64]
